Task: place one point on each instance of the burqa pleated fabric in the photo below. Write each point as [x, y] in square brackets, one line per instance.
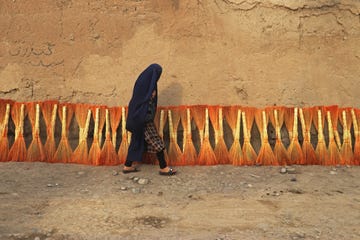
[138, 107]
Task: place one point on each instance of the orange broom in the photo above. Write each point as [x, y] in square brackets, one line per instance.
[18, 149]
[247, 119]
[294, 149]
[266, 156]
[220, 150]
[199, 118]
[82, 115]
[94, 153]
[277, 119]
[206, 154]
[334, 154]
[64, 152]
[174, 152]
[4, 143]
[108, 154]
[230, 113]
[115, 118]
[307, 148]
[235, 153]
[36, 150]
[189, 151]
[347, 157]
[355, 115]
[124, 145]
[334, 119]
[321, 151]
[49, 111]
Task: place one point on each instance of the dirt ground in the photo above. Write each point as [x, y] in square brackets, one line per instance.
[64, 201]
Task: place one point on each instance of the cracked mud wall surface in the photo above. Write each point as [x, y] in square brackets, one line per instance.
[258, 53]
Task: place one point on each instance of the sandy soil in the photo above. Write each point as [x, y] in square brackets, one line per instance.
[62, 201]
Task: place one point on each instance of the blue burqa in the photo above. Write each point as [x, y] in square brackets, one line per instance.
[138, 107]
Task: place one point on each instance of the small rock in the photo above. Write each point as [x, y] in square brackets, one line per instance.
[249, 185]
[36, 238]
[160, 193]
[81, 173]
[50, 185]
[135, 179]
[333, 172]
[283, 170]
[143, 181]
[115, 173]
[136, 190]
[293, 179]
[123, 188]
[291, 170]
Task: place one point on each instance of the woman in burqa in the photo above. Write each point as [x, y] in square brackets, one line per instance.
[140, 122]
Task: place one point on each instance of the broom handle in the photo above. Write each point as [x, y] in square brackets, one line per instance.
[237, 127]
[246, 135]
[305, 130]
[6, 120]
[21, 122]
[37, 119]
[320, 133]
[84, 131]
[346, 131]
[221, 126]
[295, 127]
[206, 133]
[53, 119]
[331, 130]
[63, 122]
[171, 128]
[277, 125]
[265, 133]
[107, 122]
[161, 124]
[96, 126]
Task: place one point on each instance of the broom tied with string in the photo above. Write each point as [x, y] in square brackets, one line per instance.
[307, 148]
[295, 151]
[35, 151]
[347, 157]
[174, 152]
[189, 152]
[321, 151]
[83, 116]
[248, 150]
[206, 154]
[235, 153]
[18, 150]
[334, 154]
[63, 152]
[281, 155]
[115, 118]
[94, 153]
[4, 143]
[49, 111]
[108, 155]
[266, 156]
[124, 145]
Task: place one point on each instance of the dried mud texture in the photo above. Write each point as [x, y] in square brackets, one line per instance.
[245, 52]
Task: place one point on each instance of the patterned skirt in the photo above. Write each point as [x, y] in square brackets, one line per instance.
[154, 143]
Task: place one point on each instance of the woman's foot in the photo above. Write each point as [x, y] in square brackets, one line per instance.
[167, 171]
[129, 169]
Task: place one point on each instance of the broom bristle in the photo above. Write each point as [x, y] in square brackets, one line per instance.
[281, 155]
[63, 152]
[18, 149]
[108, 154]
[35, 151]
[220, 150]
[334, 154]
[189, 152]
[248, 150]
[174, 152]
[307, 148]
[49, 111]
[235, 152]
[266, 156]
[4, 143]
[83, 115]
[295, 151]
[206, 154]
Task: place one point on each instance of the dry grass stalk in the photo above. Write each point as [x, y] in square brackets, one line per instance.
[281, 155]
[347, 156]
[63, 153]
[17, 151]
[206, 154]
[174, 152]
[189, 152]
[108, 154]
[334, 154]
[266, 156]
[4, 143]
[235, 153]
[249, 153]
[83, 115]
[307, 148]
[36, 150]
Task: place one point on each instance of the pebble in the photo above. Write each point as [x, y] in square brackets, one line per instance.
[333, 172]
[135, 179]
[293, 179]
[115, 173]
[123, 188]
[81, 173]
[283, 170]
[36, 238]
[143, 181]
[249, 185]
[136, 190]
[291, 170]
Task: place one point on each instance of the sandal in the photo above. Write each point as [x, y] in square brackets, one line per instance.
[130, 170]
[168, 173]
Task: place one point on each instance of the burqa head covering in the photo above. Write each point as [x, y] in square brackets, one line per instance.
[139, 103]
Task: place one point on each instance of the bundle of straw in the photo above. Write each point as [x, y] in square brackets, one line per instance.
[322, 153]
[174, 152]
[277, 119]
[94, 153]
[247, 119]
[49, 111]
[199, 118]
[347, 156]
[18, 149]
[108, 154]
[64, 152]
[307, 148]
[231, 116]
[334, 154]
[266, 156]
[294, 150]
[4, 121]
[206, 154]
[124, 145]
[35, 151]
[220, 150]
[115, 118]
[334, 119]
[355, 115]
[235, 154]
[189, 151]
[83, 115]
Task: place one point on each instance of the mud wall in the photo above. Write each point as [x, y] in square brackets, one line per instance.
[258, 53]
